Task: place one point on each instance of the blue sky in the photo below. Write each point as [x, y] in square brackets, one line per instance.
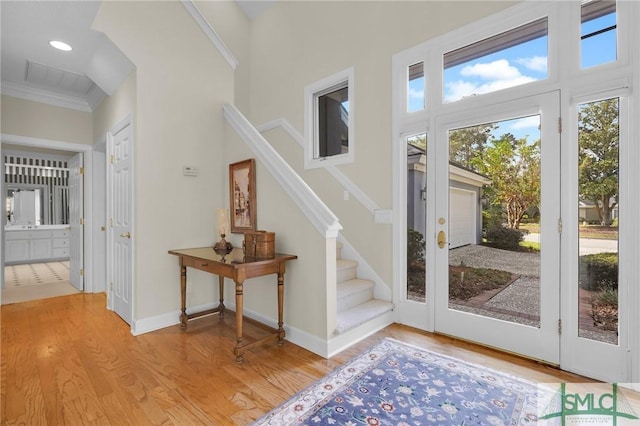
[517, 65]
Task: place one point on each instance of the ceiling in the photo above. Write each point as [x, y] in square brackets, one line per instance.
[34, 70]
[79, 79]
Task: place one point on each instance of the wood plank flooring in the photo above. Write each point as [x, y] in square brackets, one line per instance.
[67, 360]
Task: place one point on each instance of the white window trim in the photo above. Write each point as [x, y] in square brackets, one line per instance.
[311, 93]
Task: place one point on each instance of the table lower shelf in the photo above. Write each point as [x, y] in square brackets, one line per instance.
[241, 346]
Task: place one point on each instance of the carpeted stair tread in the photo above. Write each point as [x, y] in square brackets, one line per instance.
[362, 313]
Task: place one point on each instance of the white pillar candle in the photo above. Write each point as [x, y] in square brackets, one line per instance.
[223, 222]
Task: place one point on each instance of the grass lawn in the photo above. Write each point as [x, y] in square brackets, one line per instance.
[586, 231]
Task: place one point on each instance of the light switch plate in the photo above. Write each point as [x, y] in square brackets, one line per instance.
[190, 171]
[383, 216]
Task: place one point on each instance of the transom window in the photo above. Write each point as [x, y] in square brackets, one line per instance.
[512, 58]
[598, 33]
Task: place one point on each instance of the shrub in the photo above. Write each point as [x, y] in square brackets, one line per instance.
[415, 247]
[504, 238]
[491, 216]
[599, 271]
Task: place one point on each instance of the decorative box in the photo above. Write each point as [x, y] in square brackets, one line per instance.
[259, 244]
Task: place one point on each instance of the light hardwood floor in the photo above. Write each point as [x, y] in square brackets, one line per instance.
[67, 360]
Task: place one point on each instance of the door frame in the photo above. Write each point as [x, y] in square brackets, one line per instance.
[87, 151]
[582, 355]
[543, 342]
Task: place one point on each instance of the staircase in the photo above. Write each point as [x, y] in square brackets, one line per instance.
[356, 302]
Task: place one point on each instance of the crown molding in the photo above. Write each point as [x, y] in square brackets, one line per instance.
[211, 34]
[44, 96]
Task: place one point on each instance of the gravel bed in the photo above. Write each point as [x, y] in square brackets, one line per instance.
[478, 256]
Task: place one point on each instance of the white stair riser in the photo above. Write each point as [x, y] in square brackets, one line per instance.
[356, 304]
[354, 299]
[346, 274]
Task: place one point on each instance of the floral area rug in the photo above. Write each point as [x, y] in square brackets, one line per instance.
[394, 383]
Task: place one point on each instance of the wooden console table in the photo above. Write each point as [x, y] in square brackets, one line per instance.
[236, 266]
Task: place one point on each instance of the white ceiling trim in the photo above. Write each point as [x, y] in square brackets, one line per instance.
[206, 27]
[38, 95]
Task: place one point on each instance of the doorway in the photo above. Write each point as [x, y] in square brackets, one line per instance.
[490, 288]
[509, 244]
[54, 245]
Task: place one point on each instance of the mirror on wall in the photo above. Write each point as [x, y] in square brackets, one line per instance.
[34, 205]
[36, 190]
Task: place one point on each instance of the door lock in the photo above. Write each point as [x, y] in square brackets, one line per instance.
[126, 235]
[442, 239]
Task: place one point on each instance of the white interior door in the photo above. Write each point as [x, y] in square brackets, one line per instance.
[76, 221]
[120, 208]
[522, 315]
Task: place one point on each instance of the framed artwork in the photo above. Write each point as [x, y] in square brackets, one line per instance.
[242, 193]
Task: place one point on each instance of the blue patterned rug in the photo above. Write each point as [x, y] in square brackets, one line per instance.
[394, 383]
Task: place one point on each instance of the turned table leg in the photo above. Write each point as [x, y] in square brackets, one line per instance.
[239, 308]
[280, 308]
[221, 286]
[183, 295]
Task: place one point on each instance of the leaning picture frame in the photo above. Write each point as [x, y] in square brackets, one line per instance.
[242, 196]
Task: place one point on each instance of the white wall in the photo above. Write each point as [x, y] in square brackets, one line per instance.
[294, 44]
[37, 120]
[233, 27]
[181, 84]
[114, 108]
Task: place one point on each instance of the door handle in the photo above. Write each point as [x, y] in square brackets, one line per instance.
[126, 235]
[442, 239]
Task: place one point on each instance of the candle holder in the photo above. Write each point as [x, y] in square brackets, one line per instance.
[223, 245]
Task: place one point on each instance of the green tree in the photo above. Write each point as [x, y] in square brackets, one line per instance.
[598, 138]
[513, 165]
[469, 143]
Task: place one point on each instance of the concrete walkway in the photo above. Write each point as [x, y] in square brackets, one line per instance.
[519, 301]
[504, 260]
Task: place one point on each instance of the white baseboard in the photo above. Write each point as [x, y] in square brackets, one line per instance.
[293, 335]
[342, 341]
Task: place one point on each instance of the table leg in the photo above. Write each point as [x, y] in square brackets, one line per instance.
[280, 307]
[239, 310]
[221, 285]
[183, 295]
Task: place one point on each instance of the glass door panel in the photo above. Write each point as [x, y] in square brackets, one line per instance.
[497, 244]
[598, 220]
[494, 220]
[416, 216]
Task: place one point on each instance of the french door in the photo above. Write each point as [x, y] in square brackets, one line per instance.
[524, 256]
[498, 171]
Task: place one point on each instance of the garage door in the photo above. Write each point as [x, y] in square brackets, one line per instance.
[462, 213]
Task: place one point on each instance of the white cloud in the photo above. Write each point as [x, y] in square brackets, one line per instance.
[459, 89]
[534, 63]
[496, 70]
[416, 94]
[526, 122]
[497, 75]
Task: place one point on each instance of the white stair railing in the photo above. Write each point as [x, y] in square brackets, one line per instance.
[309, 203]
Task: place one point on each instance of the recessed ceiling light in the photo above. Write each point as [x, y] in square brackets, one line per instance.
[60, 45]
